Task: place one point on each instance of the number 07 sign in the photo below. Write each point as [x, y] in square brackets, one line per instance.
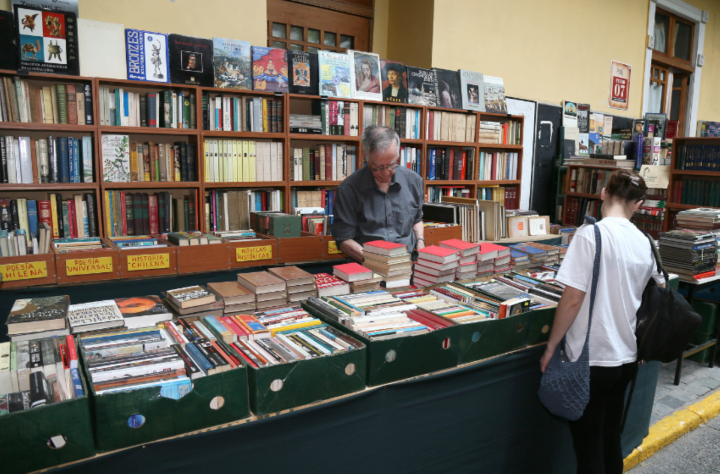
[619, 85]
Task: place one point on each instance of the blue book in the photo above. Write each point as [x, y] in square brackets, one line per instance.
[147, 56]
[527, 249]
[199, 358]
[173, 389]
[432, 164]
[63, 159]
[125, 119]
[32, 216]
[152, 116]
[151, 334]
[77, 383]
[518, 255]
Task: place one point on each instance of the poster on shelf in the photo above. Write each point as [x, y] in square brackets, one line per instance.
[619, 85]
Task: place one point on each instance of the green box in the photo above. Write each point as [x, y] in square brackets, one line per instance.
[396, 359]
[541, 322]
[708, 311]
[277, 224]
[293, 384]
[24, 435]
[493, 337]
[165, 417]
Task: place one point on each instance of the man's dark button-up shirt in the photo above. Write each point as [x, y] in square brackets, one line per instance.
[364, 213]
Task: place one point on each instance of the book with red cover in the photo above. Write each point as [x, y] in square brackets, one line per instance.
[44, 212]
[352, 272]
[488, 248]
[438, 254]
[382, 247]
[153, 211]
[328, 285]
[465, 248]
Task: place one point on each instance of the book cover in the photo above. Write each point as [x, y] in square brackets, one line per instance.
[472, 89]
[583, 117]
[325, 280]
[495, 95]
[8, 42]
[570, 114]
[448, 89]
[191, 296]
[365, 75]
[422, 86]
[232, 64]
[191, 60]
[102, 49]
[303, 72]
[147, 56]
[394, 81]
[596, 123]
[141, 306]
[659, 121]
[270, 69]
[334, 74]
[116, 158]
[47, 40]
[38, 309]
[95, 313]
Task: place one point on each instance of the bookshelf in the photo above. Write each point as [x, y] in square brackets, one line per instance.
[673, 204]
[578, 169]
[291, 103]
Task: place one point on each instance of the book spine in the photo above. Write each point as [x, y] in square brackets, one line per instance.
[88, 105]
[63, 160]
[62, 103]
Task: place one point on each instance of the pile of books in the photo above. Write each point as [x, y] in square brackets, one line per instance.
[192, 238]
[93, 316]
[67, 245]
[516, 293]
[38, 372]
[538, 256]
[468, 264]
[435, 265]
[235, 297]
[236, 235]
[269, 290]
[299, 284]
[143, 311]
[143, 241]
[692, 254]
[450, 302]
[389, 260]
[328, 285]
[519, 260]
[699, 219]
[37, 318]
[358, 277]
[494, 254]
[195, 300]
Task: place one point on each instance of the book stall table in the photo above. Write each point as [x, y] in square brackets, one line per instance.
[139, 262]
[253, 253]
[88, 266]
[27, 270]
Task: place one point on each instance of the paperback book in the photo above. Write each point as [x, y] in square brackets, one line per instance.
[232, 64]
[422, 86]
[448, 89]
[143, 311]
[270, 69]
[147, 56]
[495, 95]
[191, 60]
[365, 76]
[303, 72]
[47, 41]
[93, 316]
[394, 81]
[472, 89]
[334, 74]
[38, 314]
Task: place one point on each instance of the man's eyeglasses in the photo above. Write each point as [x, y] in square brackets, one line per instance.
[377, 169]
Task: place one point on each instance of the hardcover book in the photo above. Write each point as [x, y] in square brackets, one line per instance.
[270, 69]
[261, 282]
[382, 247]
[303, 72]
[293, 275]
[422, 86]
[190, 296]
[365, 77]
[472, 89]
[102, 49]
[437, 254]
[93, 316]
[328, 285]
[394, 81]
[147, 56]
[570, 114]
[448, 89]
[583, 117]
[38, 314]
[334, 74]
[116, 158]
[232, 292]
[191, 60]
[495, 95]
[352, 272]
[143, 311]
[47, 41]
[231, 64]
[8, 42]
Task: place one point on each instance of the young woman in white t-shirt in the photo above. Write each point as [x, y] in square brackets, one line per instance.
[626, 265]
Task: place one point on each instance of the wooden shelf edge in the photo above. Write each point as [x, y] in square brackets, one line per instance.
[147, 130]
[232, 134]
[246, 184]
[152, 184]
[695, 173]
[311, 137]
[59, 127]
[48, 187]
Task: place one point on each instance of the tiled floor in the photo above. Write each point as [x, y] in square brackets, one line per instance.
[697, 382]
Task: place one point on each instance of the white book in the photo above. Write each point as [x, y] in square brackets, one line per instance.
[26, 174]
[102, 49]
[267, 162]
[174, 364]
[335, 168]
[111, 107]
[116, 158]
[10, 150]
[95, 315]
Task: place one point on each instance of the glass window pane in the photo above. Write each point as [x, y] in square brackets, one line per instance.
[329, 39]
[655, 73]
[346, 41]
[279, 30]
[656, 95]
[295, 47]
[313, 49]
[677, 81]
[313, 36]
[683, 34]
[661, 31]
[675, 106]
[278, 44]
[662, 75]
[296, 33]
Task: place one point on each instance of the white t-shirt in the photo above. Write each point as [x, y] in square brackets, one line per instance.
[626, 265]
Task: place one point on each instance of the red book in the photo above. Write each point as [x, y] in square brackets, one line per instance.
[174, 333]
[234, 327]
[153, 208]
[72, 352]
[44, 212]
[346, 119]
[246, 358]
[700, 276]
[263, 202]
[464, 166]
[489, 247]
[493, 166]
[382, 247]
[352, 272]
[152, 122]
[465, 248]
[328, 163]
[72, 218]
[438, 254]
[451, 159]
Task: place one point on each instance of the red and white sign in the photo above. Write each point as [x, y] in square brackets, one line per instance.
[619, 85]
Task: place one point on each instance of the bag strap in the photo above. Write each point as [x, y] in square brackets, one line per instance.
[656, 254]
[595, 278]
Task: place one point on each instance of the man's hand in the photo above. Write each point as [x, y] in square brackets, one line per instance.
[352, 249]
[420, 244]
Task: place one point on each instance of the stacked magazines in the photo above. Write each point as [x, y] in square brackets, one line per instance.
[692, 254]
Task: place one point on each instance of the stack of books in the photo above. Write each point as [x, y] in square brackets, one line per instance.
[435, 265]
[93, 316]
[451, 303]
[356, 276]
[389, 260]
[236, 235]
[699, 219]
[468, 263]
[37, 318]
[235, 297]
[42, 372]
[194, 300]
[538, 257]
[269, 290]
[519, 260]
[328, 285]
[499, 255]
[143, 311]
[143, 241]
[692, 254]
[299, 284]
[192, 238]
[67, 245]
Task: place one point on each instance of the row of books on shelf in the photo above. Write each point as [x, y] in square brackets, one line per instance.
[498, 166]
[46, 160]
[325, 162]
[588, 181]
[450, 126]
[302, 201]
[242, 161]
[128, 214]
[25, 102]
[578, 208]
[227, 210]
[507, 196]
[501, 133]
[699, 192]
[600, 161]
[698, 157]
[242, 114]
[163, 109]
[405, 121]
[125, 161]
[649, 219]
[707, 129]
[434, 194]
[450, 164]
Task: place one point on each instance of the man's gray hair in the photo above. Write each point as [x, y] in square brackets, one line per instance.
[378, 138]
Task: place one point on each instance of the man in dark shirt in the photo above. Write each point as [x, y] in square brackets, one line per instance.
[381, 200]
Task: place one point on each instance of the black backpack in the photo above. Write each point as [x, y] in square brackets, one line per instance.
[665, 320]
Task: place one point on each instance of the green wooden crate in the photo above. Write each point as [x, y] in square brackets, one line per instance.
[493, 337]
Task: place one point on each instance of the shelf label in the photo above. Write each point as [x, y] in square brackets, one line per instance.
[24, 271]
[333, 248]
[148, 262]
[247, 254]
[88, 266]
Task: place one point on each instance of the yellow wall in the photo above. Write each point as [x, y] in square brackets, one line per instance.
[410, 32]
[237, 19]
[380, 27]
[709, 108]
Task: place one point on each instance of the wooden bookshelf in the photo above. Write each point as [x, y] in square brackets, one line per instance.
[571, 194]
[676, 175]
